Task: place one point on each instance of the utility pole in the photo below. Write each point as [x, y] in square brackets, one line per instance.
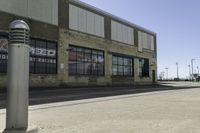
[189, 72]
[192, 68]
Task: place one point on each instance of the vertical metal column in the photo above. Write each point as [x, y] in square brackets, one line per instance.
[18, 76]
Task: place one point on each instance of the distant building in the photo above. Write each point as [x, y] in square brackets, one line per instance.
[73, 43]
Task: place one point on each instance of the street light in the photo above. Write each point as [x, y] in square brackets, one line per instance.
[198, 70]
[192, 68]
[177, 70]
[189, 72]
[166, 73]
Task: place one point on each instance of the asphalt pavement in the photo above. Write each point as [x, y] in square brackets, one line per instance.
[52, 95]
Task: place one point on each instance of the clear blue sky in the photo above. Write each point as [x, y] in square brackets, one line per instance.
[176, 22]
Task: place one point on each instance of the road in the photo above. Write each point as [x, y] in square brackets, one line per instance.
[52, 95]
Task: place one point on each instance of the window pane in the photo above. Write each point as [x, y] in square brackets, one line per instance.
[87, 57]
[72, 67]
[100, 69]
[100, 59]
[114, 69]
[120, 61]
[114, 60]
[79, 56]
[72, 56]
[127, 70]
[80, 68]
[88, 68]
[127, 61]
[120, 70]
[94, 68]
[89, 62]
[122, 66]
[94, 58]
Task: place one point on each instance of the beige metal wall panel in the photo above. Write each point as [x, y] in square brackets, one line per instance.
[122, 33]
[102, 29]
[119, 33]
[147, 41]
[73, 17]
[17, 7]
[132, 35]
[5, 5]
[86, 21]
[41, 10]
[90, 23]
[113, 30]
[97, 25]
[82, 22]
[152, 43]
[140, 42]
[55, 12]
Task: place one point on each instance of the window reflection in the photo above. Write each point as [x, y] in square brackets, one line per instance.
[85, 61]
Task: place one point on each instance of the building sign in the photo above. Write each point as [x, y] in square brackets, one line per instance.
[43, 52]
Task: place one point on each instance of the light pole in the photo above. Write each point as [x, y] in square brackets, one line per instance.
[192, 68]
[166, 73]
[189, 72]
[198, 70]
[177, 70]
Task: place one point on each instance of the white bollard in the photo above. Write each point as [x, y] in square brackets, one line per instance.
[18, 77]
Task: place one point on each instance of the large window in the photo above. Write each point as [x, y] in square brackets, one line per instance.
[144, 67]
[85, 61]
[43, 55]
[122, 66]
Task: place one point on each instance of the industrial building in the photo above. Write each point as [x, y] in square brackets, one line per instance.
[75, 44]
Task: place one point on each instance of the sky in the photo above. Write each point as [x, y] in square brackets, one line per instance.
[176, 23]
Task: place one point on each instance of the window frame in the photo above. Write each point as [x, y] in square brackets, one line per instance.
[90, 72]
[117, 65]
[36, 57]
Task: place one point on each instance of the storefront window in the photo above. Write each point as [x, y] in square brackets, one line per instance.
[85, 61]
[122, 66]
[43, 55]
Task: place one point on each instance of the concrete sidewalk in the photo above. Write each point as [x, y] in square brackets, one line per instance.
[175, 111]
